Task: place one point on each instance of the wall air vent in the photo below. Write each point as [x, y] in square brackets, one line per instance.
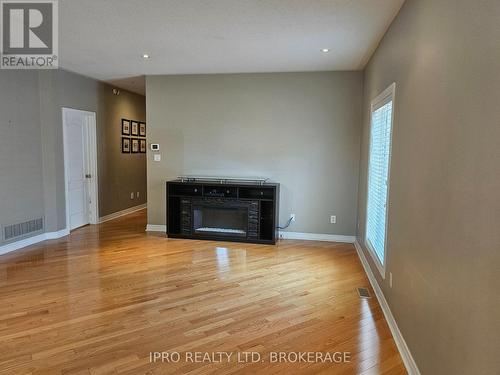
[364, 293]
[19, 230]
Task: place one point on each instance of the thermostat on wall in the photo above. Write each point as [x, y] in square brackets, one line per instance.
[155, 147]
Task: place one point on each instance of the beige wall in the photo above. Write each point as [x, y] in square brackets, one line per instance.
[444, 206]
[299, 129]
[119, 174]
[31, 152]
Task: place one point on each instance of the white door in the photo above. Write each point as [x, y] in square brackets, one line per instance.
[77, 167]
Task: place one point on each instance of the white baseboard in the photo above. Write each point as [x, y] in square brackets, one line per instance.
[284, 235]
[56, 235]
[317, 237]
[118, 214]
[32, 240]
[156, 228]
[408, 360]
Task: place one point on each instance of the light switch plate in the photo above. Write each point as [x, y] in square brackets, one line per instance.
[157, 157]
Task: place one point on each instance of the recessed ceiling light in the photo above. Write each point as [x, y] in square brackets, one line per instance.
[325, 50]
[146, 56]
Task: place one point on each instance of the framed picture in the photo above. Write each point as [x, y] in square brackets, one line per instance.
[135, 128]
[125, 145]
[142, 146]
[135, 146]
[125, 127]
[142, 129]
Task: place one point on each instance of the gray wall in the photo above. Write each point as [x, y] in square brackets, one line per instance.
[31, 153]
[21, 179]
[444, 205]
[299, 129]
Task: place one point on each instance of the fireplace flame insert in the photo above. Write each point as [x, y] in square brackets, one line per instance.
[224, 221]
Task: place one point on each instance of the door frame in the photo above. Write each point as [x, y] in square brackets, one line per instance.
[90, 132]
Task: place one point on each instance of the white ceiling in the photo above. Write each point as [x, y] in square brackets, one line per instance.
[105, 39]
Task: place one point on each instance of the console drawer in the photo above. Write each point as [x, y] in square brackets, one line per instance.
[256, 193]
[220, 191]
[186, 190]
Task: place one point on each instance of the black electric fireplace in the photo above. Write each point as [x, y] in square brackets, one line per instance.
[244, 211]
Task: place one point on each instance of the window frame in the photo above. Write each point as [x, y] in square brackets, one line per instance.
[386, 96]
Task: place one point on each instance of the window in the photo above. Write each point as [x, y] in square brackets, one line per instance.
[378, 175]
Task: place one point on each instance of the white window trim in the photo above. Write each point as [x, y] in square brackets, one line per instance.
[385, 96]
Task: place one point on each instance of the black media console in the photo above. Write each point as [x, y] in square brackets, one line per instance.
[224, 210]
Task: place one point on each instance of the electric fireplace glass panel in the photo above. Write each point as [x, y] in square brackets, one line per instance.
[220, 221]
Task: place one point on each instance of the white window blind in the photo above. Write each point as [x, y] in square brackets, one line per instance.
[378, 175]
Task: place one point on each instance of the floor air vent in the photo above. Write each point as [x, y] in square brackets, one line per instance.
[22, 229]
[364, 293]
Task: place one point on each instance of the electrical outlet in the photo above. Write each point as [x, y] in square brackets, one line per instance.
[132, 195]
[390, 279]
[333, 219]
[292, 216]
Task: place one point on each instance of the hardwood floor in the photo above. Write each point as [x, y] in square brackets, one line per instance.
[100, 300]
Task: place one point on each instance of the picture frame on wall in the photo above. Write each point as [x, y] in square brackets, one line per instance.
[142, 129]
[142, 146]
[135, 146]
[125, 126]
[134, 128]
[125, 145]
